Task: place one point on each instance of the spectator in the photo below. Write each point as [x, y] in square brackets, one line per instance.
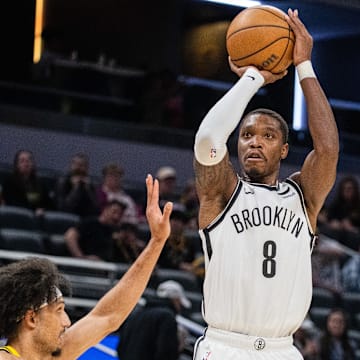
[162, 100]
[190, 200]
[305, 339]
[327, 260]
[167, 184]
[152, 332]
[127, 245]
[93, 237]
[350, 274]
[343, 213]
[76, 192]
[23, 187]
[111, 189]
[334, 343]
[178, 252]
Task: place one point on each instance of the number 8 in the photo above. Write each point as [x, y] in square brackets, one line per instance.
[269, 264]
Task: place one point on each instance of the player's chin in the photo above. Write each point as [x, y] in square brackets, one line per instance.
[254, 173]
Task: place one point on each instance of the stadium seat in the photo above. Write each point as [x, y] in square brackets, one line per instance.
[186, 279]
[318, 315]
[55, 245]
[351, 302]
[354, 335]
[15, 217]
[22, 240]
[89, 287]
[322, 298]
[196, 298]
[57, 222]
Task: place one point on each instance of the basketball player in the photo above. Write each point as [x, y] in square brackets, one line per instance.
[32, 309]
[257, 232]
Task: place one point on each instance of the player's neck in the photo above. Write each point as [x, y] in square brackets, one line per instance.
[270, 181]
[26, 351]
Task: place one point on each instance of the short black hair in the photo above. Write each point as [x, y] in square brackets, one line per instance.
[284, 128]
[112, 202]
[25, 285]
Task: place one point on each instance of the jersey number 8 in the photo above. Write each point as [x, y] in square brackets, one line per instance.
[269, 263]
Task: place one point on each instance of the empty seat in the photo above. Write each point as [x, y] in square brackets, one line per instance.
[89, 287]
[351, 302]
[186, 279]
[357, 320]
[22, 240]
[56, 245]
[143, 232]
[16, 217]
[198, 318]
[323, 298]
[318, 315]
[354, 335]
[57, 222]
[196, 299]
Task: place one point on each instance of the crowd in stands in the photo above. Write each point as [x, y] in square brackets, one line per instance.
[112, 227]
[112, 224]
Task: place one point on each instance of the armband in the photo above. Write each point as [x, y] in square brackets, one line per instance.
[305, 70]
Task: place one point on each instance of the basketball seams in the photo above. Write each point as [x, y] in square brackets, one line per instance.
[263, 48]
[258, 26]
[260, 36]
[285, 51]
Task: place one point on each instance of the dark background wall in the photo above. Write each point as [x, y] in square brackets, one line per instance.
[185, 36]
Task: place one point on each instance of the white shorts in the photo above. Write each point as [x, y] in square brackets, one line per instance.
[224, 345]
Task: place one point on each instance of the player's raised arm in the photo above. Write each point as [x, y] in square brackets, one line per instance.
[319, 169]
[115, 306]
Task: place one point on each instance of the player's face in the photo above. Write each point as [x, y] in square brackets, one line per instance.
[261, 148]
[52, 322]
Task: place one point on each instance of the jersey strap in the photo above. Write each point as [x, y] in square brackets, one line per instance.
[9, 349]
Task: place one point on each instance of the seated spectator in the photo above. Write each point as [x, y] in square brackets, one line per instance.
[350, 274]
[76, 192]
[178, 252]
[151, 332]
[343, 214]
[327, 259]
[23, 187]
[127, 245]
[161, 100]
[190, 200]
[334, 343]
[111, 189]
[167, 185]
[93, 237]
[305, 339]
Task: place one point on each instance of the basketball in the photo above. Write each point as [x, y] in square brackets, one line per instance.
[260, 36]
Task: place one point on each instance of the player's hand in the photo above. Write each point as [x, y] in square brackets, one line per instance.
[159, 221]
[303, 39]
[268, 76]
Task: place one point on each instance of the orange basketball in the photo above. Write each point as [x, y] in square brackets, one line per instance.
[261, 36]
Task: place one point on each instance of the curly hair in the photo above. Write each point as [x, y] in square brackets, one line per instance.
[25, 285]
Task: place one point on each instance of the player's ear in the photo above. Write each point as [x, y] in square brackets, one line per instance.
[284, 151]
[30, 318]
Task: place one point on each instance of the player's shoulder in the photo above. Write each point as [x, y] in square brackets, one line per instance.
[6, 356]
[295, 177]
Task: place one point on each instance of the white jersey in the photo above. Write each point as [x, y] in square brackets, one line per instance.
[258, 261]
